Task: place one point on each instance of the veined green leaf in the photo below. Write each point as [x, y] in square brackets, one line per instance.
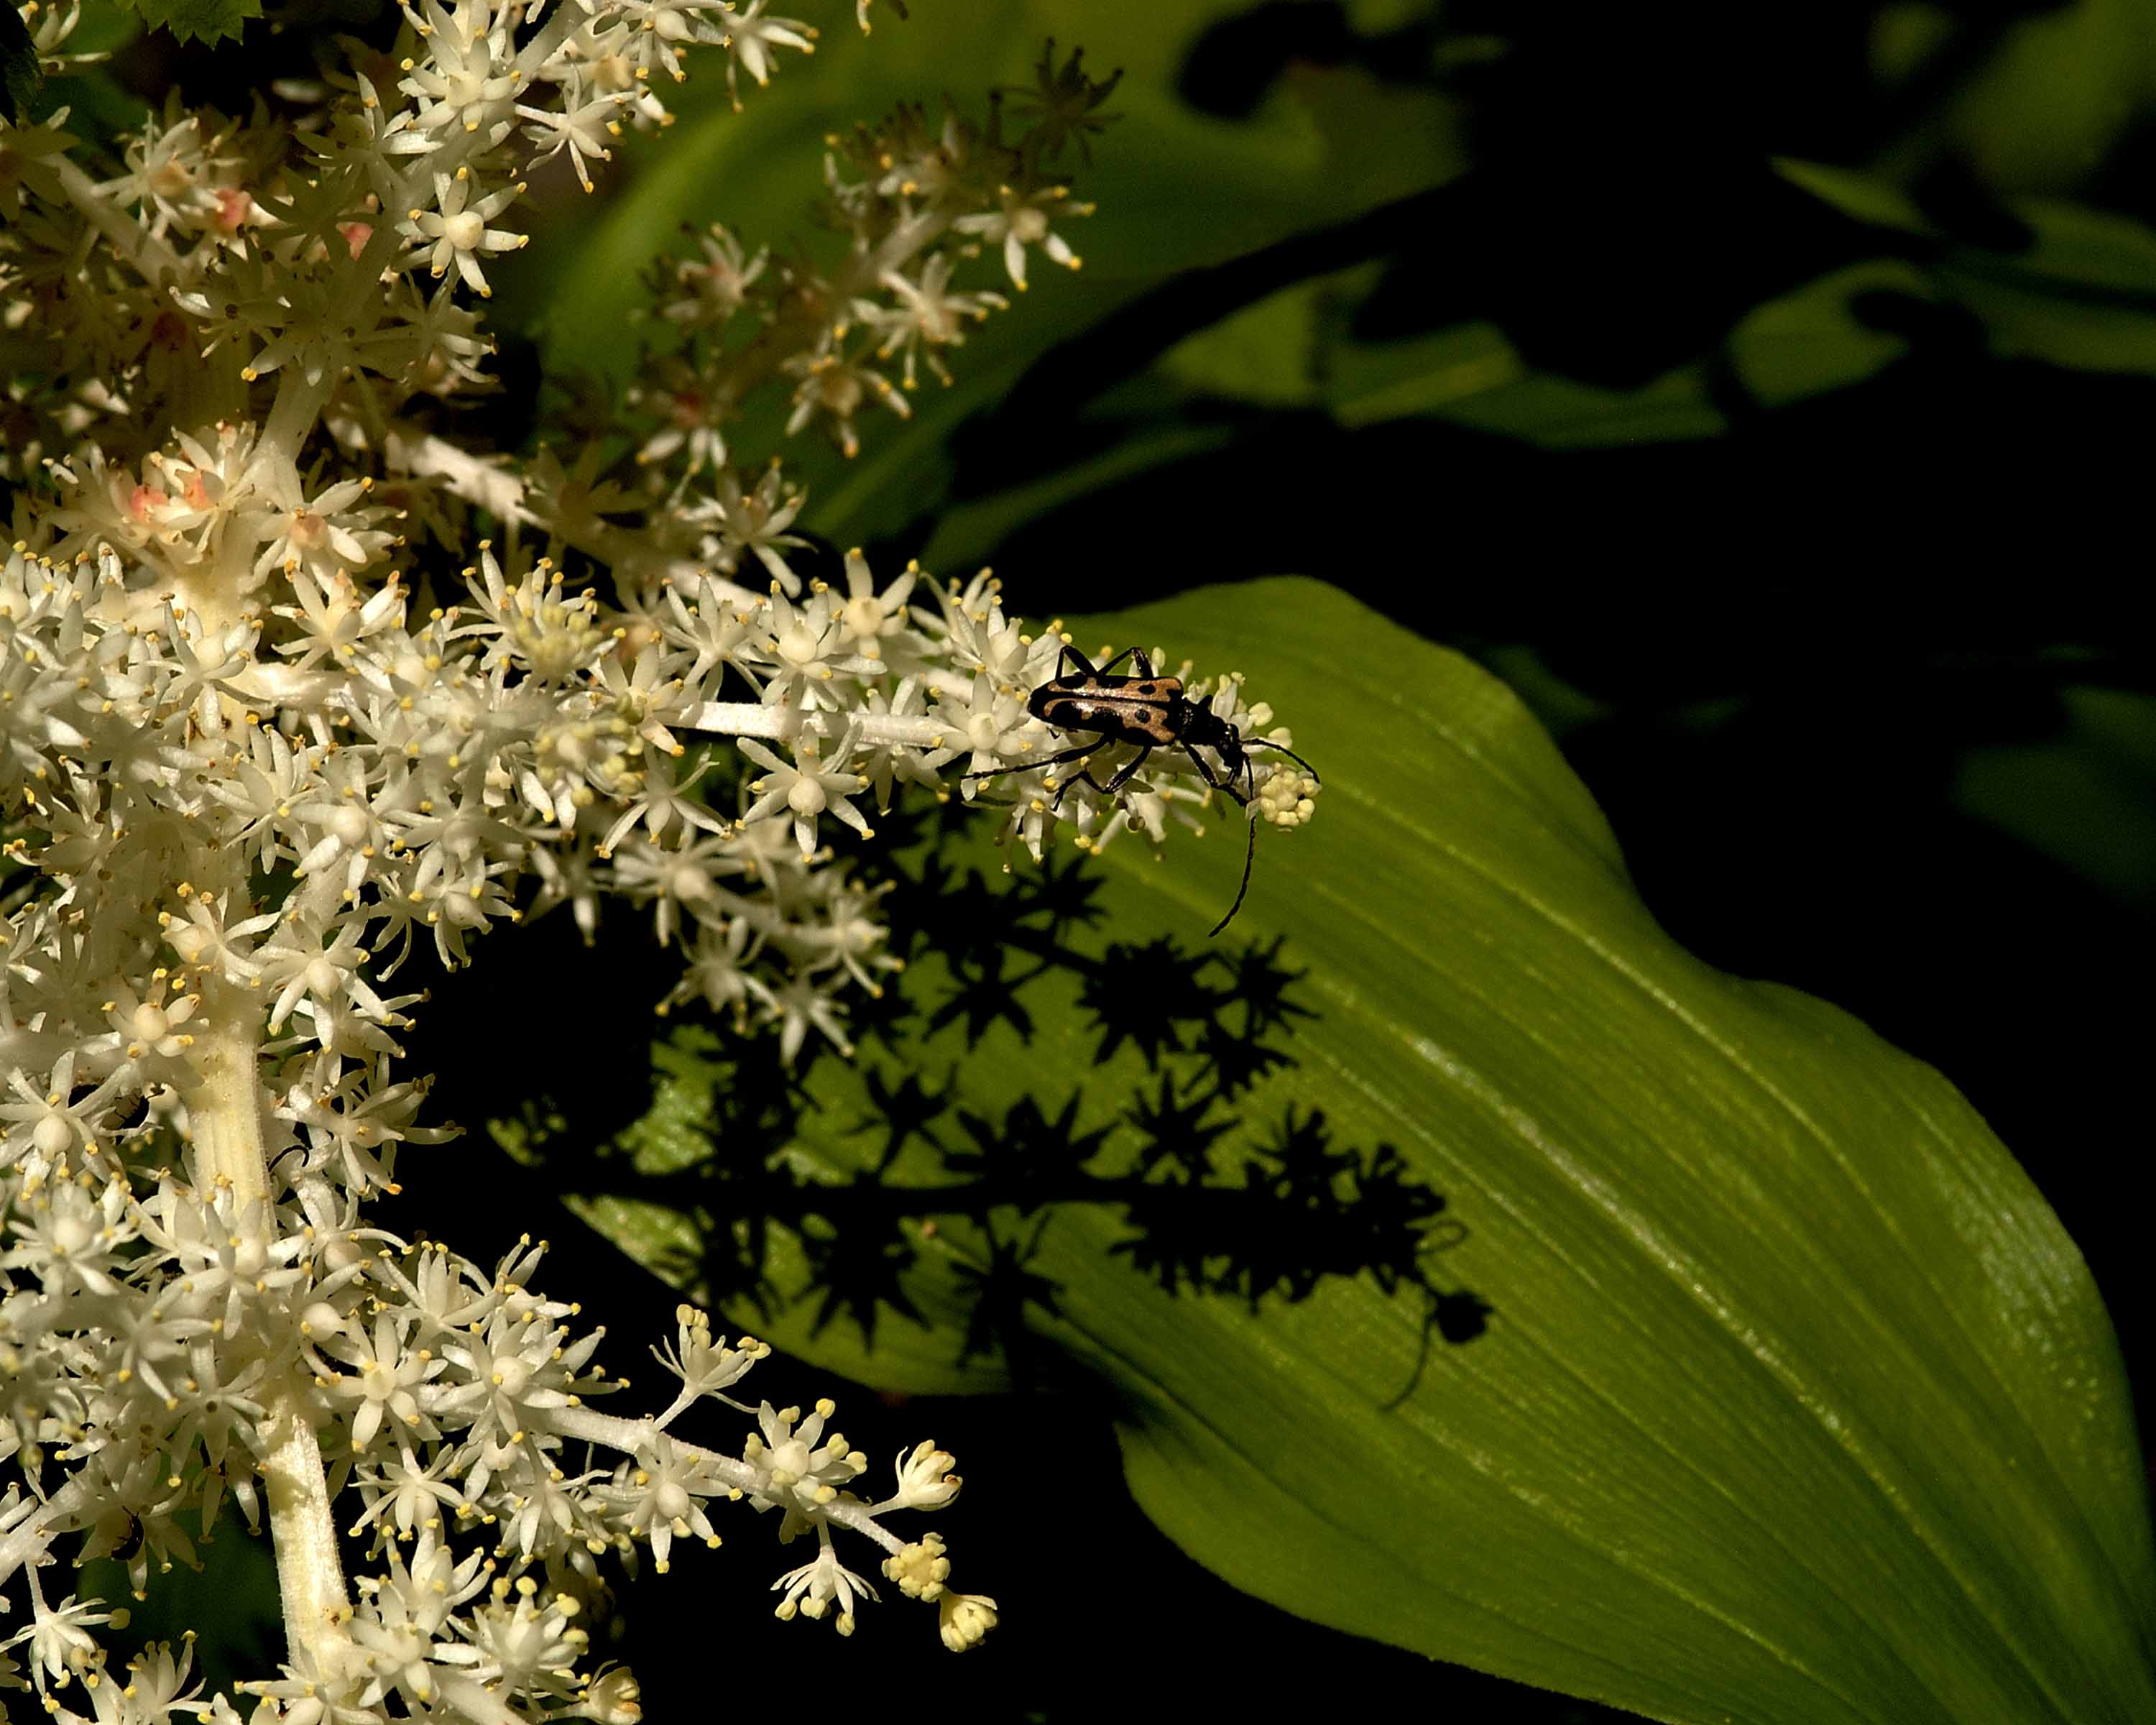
[1793, 1404]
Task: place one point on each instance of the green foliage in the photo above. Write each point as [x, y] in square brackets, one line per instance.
[208, 20]
[1301, 159]
[1746, 1375]
[2086, 797]
[2059, 94]
[1582, 288]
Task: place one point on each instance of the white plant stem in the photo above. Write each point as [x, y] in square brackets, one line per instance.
[783, 724]
[224, 1114]
[633, 1437]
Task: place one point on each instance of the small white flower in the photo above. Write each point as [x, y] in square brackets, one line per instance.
[925, 1479]
[964, 1619]
[928, 315]
[709, 290]
[752, 37]
[385, 1375]
[802, 1469]
[59, 1640]
[808, 787]
[868, 617]
[811, 1589]
[49, 1121]
[920, 1568]
[660, 1493]
[833, 390]
[469, 79]
[520, 1643]
[704, 1365]
[329, 536]
[1022, 219]
[453, 234]
[406, 1494]
[585, 131]
[1287, 796]
[320, 964]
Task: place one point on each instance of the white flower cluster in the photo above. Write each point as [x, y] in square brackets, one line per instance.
[914, 199]
[293, 684]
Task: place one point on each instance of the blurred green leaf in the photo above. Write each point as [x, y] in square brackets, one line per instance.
[1794, 1405]
[2083, 296]
[1560, 413]
[100, 108]
[2085, 798]
[2056, 97]
[1368, 383]
[1904, 36]
[1812, 341]
[1266, 353]
[1367, 17]
[1864, 197]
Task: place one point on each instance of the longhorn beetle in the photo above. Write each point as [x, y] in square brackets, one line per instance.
[1148, 711]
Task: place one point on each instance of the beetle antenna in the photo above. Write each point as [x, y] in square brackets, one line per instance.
[1261, 743]
[1250, 854]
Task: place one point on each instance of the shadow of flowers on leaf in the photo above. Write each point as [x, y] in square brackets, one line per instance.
[1027, 1064]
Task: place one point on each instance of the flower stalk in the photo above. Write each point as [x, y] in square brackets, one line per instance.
[223, 1096]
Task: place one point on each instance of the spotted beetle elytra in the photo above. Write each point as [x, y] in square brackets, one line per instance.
[1148, 711]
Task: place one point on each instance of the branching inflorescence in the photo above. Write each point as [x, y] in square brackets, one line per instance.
[294, 679]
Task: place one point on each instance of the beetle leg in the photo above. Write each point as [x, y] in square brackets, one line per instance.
[1111, 787]
[1083, 775]
[1079, 754]
[1122, 775]
[1218, 784]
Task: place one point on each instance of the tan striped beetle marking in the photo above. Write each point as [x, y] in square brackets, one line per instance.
[1148, 711]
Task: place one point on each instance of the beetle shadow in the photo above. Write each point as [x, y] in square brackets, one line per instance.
[1156, 1123]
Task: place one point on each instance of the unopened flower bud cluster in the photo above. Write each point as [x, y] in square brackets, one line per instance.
[293, 685]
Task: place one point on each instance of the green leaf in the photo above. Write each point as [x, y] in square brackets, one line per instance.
[1266, 353]
[196, 20]
[2059, 94]
[2087, 799]
[1794, 1405]
[1810, 341]
[1301, 161]
[19, 74]
[2083, 296]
